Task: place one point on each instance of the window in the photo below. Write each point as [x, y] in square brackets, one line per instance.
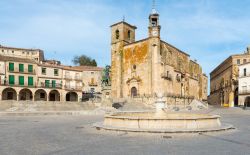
[47, 83]
[21, 68]
[245, 72]
[53, 83]
[3, 51]
[92, 73]
[238, 61]
[92, 90]
[21, 80]
[11, 79]
[44, 71]
[30, 68]
[12, 51]
[129, 34]
[154, 21]
[55, 72]
[30, 81]
[11, 66]
[117, 35]
[244, 61]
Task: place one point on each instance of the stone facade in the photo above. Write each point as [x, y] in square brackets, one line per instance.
[27, 78]
[32, 54]
[224, 80]
[244, 84]
[151, 66]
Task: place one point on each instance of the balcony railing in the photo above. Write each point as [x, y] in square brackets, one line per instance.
[166, 76]
[244, 92]
[242, 75]
[50, 85]
[16, 70]
[16, 85]
[68, 77]
[78, 78]
[68, 87]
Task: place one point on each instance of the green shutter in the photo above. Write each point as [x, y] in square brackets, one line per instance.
[47, 83]
[53, 83]
[11, 79]
[21, 68]
[11, 66]
[21, 80]
[30, 68]
[30, 81]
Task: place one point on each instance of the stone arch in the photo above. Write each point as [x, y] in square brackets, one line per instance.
[54, 95]
[117, 34]
[72, 97]
[25, 94]
[9, 94]
[134, 92]
[40, 95]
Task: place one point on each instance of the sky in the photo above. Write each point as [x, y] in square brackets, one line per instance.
[208, 30]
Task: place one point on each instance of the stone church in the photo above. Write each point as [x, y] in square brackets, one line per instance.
[151, 66]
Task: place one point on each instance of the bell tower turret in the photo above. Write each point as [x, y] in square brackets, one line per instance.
[154, 26]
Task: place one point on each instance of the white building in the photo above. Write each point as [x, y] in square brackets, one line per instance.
[244, 84]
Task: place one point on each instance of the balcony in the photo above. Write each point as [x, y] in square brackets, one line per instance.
[72, 88]
[17, 85]
[244, 92]
[50, 85]
[68, 77]
[242, 75]
[93, 84]
[16, 70]
[78, 78]
[166, 76]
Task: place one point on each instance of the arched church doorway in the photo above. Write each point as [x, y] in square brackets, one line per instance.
[247, 101]
[133, 92]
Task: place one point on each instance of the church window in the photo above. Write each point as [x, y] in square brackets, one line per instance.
[245, 72]
[129, 34]
[117, 35]
[134, 67]
[154, 21]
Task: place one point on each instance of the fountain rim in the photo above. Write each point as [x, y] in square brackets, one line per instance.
[203, 116]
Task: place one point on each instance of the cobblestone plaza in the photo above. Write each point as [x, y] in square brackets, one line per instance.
[49, 135]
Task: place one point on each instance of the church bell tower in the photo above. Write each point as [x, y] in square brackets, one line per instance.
[154, 27]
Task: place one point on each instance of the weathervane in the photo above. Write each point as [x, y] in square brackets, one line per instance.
[154, 7]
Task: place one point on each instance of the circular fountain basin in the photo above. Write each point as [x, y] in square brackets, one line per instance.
[164, 123]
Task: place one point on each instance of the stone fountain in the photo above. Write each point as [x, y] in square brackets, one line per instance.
[162, 121]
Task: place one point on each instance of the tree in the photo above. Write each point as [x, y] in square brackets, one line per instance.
[84, 60]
